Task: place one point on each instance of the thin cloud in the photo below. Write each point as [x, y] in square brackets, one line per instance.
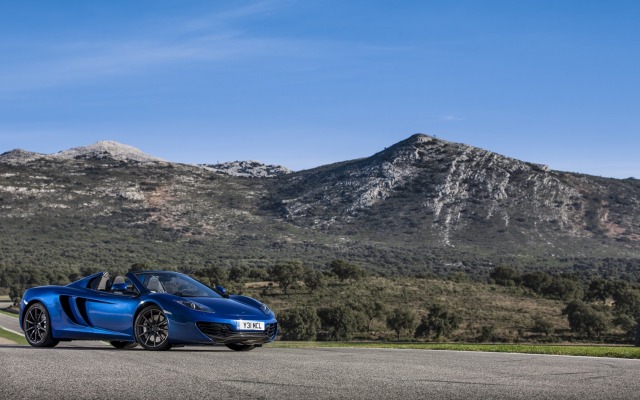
[451, 118]
[79, 62]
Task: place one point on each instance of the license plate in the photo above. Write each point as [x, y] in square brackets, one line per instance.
[250, 325]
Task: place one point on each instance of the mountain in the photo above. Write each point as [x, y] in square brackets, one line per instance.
[423, 205]
[462, 194]
[107, 149]
[100, 150]
[19, 156]
[249, 169]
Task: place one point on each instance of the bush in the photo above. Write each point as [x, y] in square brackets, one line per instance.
[505, 276]
[439, 322]
[346, 271]
[537, 281]
[299, 324]
[401, 319]
[286, 274]
[584, 320]
[338, 323]
[562, 288]
[314, 279]
[542, 325]
[487, 334]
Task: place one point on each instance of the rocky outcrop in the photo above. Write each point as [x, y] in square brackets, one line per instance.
[250, 169]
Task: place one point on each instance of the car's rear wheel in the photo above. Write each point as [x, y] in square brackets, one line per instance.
[37, 326]
[152, 329]
[240, 347]
[123, 345]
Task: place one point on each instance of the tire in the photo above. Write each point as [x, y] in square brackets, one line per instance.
[118, 344]
[151, 329]
[37, 326]
[240, 347]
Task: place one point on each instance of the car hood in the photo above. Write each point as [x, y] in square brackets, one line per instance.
[229, 308]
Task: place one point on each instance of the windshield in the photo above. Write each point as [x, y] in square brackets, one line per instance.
[176, 284]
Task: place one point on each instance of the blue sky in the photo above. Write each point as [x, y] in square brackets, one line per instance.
[308, 82]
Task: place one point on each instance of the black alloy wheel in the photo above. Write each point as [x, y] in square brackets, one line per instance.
[37, 326]
[152, 329]
[240, 347]
[118, 344]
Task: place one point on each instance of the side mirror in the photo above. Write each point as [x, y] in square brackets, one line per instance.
[119, 287]
[221, 289]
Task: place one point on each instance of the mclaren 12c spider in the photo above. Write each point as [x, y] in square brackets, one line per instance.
[155, 309]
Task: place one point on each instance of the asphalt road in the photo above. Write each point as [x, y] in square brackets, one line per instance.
[94, 370]
[271, 373]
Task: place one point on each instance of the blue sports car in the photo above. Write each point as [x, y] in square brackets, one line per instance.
[155, 309]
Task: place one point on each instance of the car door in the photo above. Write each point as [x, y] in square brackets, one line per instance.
[112, 313]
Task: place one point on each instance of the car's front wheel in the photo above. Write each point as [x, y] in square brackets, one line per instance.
[151, 329]
[123, 345]
[240, 347]
[37, 326]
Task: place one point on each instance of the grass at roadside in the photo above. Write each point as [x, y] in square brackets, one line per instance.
[13, 337]
[8, 313]
[580, 350]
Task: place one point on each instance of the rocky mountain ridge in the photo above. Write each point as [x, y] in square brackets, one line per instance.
[423, 204]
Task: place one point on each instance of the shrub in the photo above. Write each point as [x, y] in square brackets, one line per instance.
[314, 279]
[536, 281]
[346, 271]
[299, 324]
[286, 274]
[401, 319]
[542, 325]
[584, 320]
[505, 276]
[439, 322]
[338, 323]
[487, 334]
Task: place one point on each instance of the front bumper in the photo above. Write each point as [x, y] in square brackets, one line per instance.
[223, 333]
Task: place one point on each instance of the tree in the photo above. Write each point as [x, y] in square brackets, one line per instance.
[439, 321]
[346, 271]
[373, 309]
[536, 281]
[299, 324]
[215, 275]
[562, 288]
[542, 325]
[585, 320]
[338, 322]
[401, 319]
[598, 290]
[313, 279]
[627, 302]
[15, 294]
[487, 333]
[238, 273]
[286, 274]
[505, 276]
[258, 274]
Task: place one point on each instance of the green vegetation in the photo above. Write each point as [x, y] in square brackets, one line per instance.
[337, 302]
[585, 351]
[19, 339]
[9, 313]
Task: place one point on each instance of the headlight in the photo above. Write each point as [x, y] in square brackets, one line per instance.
[195, 306]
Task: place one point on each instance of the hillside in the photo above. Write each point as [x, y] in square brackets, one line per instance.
[423, 205]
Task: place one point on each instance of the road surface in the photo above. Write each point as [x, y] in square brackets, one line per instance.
[94, 370]
[338, 373]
